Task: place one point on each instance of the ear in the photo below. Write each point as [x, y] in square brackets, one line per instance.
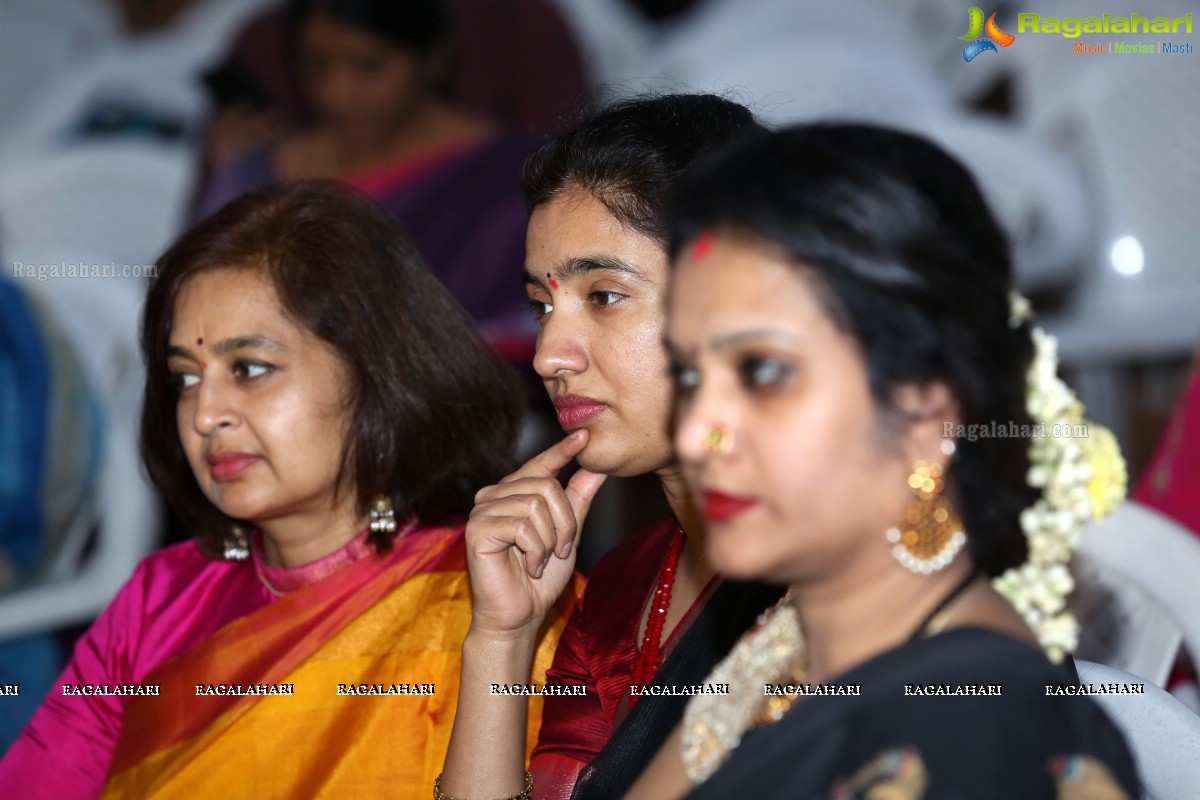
[932, 414]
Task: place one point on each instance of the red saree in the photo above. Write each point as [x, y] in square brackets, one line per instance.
[599, 649]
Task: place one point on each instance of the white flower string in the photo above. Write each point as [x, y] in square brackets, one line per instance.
[1081, 473]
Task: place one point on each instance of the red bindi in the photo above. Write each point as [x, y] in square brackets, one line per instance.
[204, 365]
[702, 246]
[199, 341]
[553, 283]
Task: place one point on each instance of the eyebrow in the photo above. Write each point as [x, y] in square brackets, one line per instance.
[582, 265]
[231, 345]
[735, 340]
[731, 341]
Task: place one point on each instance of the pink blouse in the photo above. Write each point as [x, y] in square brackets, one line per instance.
[176, 598]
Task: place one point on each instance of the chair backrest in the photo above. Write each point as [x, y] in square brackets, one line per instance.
[42, 39]
[125, 200]
[1148, 565]
[1162, 732]
[1120, 624]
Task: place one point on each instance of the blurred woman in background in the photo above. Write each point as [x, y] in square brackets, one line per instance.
[373, 71]
[841, 301]
[320, 413]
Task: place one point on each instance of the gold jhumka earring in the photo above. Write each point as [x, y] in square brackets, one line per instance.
[932, 534]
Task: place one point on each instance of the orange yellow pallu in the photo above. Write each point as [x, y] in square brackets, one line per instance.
[398, 621]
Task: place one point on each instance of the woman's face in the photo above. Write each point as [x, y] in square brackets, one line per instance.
[599, 289]
[801, 482]
[261, 413]
[361, 84]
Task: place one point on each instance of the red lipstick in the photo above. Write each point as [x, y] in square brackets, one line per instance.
[575, 411]
[226, 466]
[721, 507]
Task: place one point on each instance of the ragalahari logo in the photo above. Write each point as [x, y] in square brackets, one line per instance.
[995, 35]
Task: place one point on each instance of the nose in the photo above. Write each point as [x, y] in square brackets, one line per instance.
[705, 427]
[562, 347]
[215, 406]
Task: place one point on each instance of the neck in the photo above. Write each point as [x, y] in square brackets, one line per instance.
[683, 506]
[301, 539]
[428, 124]
[853, 618]
[693, 565]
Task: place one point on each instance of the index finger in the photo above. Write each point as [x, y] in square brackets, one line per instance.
[549, 462]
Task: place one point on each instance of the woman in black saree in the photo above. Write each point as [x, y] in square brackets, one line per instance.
[842, 329]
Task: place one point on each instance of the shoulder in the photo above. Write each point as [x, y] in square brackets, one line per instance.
[501, 151]
[989, 672]
[182, 562]
[445, 542]
[514, 143]
[166, 573]
[993, 690]
[247, 173]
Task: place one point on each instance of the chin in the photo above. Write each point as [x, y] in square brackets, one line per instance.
[741, 557]
[242, 505]
[613, 462]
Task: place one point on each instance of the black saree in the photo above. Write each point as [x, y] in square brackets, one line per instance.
[926, 724]
[732, 609]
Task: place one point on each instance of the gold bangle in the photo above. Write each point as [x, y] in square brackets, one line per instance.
[438, 794]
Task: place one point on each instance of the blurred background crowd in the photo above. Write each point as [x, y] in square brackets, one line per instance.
[122, 121]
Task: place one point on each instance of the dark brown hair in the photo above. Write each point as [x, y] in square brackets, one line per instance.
[433, 414]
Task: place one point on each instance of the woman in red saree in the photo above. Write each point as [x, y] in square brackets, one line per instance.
[321, 413]
[597, 278]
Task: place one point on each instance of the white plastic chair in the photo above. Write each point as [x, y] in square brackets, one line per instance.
[1150, 568]
[1120, 624]
[125, 199]
[1162, 732]
[99, 317]
[1035, 192]
[158, 73]
[41, 39]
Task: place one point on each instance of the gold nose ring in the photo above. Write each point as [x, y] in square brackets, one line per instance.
[718, 441]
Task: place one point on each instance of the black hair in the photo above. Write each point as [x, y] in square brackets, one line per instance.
[629, 155]
[418, 25]
[433, 414]
[909, 262]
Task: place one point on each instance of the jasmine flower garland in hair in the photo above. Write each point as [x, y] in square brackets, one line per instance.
[1081, 473]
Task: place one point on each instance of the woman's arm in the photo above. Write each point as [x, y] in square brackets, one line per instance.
[521, 541]
[66, 749]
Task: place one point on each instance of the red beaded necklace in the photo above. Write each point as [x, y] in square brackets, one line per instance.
[646, 666]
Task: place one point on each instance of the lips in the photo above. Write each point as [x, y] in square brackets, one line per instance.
[228, 465]
[575, 411]
[721, 507]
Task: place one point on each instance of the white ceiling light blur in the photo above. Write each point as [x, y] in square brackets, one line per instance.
[1127, 256]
